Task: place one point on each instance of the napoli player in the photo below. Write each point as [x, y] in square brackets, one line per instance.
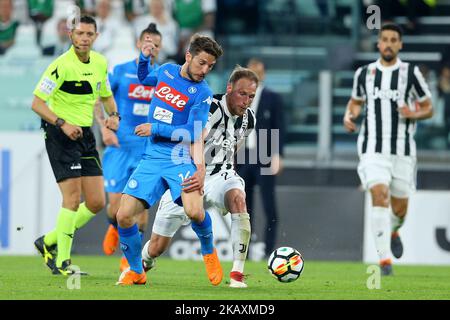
[178, 113]
[124, 149]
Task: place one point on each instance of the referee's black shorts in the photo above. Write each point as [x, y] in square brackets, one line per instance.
[71, 159]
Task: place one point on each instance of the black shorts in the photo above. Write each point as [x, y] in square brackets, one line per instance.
[71, 159]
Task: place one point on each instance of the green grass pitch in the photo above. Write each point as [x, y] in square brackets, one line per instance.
[29, 278]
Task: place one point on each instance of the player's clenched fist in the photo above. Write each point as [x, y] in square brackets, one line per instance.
[147, 47]
[143, 130]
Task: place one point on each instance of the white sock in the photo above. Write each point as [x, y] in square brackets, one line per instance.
[240, 238]
[381, 230]
[149, 261]
[396, 222]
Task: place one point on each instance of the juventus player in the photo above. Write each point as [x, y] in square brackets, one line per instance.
[396, 97]
[230, 122]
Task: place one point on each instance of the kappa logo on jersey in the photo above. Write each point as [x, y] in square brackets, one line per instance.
[140, 92]
[208, 100]
[171, 96]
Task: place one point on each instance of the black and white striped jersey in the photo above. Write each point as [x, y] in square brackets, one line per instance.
[384, 90]
[225, 133]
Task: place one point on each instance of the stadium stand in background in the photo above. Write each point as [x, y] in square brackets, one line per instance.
[304, 67]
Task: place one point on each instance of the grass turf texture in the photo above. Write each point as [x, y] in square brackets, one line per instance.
[29, 278]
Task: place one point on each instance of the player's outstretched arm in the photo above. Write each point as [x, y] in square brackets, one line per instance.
[146, 73]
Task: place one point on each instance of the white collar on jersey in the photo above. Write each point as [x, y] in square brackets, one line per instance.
[223, 102]
[390, 68]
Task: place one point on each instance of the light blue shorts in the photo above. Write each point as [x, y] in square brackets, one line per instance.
[118, 165]
[153, 177]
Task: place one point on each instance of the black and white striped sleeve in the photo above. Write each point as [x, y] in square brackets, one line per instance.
[421, 90]
[358, 92]
[214, 117]
[251, 122]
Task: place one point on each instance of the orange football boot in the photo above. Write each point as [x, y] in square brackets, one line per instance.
[213, 268]
[111, 240]
[123, 264]
[129, 277]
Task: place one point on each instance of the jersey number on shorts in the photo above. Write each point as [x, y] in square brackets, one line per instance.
[184, 177]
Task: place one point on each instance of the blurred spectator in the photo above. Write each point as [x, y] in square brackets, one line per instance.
[63, 42]
[40, 11]
[193, 16]
[8, 26]
[444, 89]
[412, 9]
[264, 146]
[165, 24]
[87, 7]
[133, 9]
[106, 27]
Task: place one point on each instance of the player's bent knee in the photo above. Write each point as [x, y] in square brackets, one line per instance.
[235, 201]
[196, 214]
[125, 218]
[380, 196]
[96, 206]
[239, 203]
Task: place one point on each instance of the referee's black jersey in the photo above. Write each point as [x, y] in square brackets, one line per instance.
[225, 133]
[384, 90]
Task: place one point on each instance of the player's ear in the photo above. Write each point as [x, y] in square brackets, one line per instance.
[188, 57]
[229, 87]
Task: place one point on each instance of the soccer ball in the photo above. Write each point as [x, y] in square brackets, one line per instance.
[285, 264]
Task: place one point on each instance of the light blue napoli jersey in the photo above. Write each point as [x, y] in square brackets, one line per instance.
[133, 102]
[178, 110]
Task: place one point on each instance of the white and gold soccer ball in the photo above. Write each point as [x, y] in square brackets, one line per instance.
[285, 264]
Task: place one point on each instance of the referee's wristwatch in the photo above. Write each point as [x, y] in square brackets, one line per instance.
[115, 114]
[59, 122]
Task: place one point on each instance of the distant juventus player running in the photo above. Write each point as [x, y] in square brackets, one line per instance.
[230, 122]
[396, 96]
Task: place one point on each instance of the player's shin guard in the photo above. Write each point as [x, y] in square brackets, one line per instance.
[83, 216]
[381, 230]
[204, 234]
[130, 243]
[65, 229]
[240, 237]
